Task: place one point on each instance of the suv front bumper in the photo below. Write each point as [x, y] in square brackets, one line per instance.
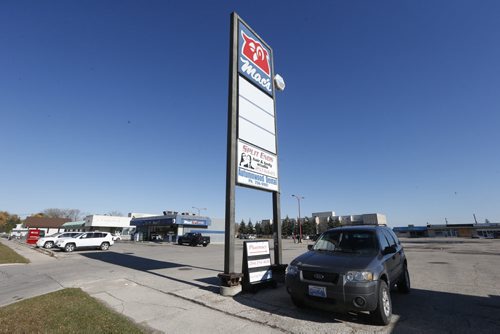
[342, 296]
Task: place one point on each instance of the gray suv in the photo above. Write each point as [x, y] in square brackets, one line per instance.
[350, 268]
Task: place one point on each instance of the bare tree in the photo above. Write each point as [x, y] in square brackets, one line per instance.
[115, 213]
[72, 214]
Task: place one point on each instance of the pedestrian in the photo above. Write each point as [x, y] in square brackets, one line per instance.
[293, 237]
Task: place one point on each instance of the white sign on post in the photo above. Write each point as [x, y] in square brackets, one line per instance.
[257, 153]
[257, 167]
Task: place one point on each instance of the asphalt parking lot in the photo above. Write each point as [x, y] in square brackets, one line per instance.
[455, 286]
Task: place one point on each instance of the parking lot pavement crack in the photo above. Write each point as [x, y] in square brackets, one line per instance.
[53, 279]
[122, 302]
[4, 275]
[166, 306]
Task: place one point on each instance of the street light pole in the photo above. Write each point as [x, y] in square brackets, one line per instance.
[298, 197]
[199, 209]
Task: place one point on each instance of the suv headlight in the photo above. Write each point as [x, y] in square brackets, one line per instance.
[359, 276]
[292, 270]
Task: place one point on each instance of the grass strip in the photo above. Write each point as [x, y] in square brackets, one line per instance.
[7, 255]
[63, 311]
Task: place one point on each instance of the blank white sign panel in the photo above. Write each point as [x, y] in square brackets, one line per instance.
[256, 116]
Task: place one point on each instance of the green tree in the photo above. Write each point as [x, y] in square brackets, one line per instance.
[308, 227]
[250, 228]
[286, 227]
[258, 228]
[243, 228]
[334, 221]
[266, 228]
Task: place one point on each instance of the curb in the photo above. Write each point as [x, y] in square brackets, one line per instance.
[40, 250]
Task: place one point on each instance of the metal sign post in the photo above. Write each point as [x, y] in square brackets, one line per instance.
[229, 279]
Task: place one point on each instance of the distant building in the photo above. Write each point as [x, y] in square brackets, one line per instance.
[106, 223]
[19, 231]
[74, 226]
[487, 230]
[411, 231]
[46, 224]
[322, 217]
[171, 224]
[363, 219]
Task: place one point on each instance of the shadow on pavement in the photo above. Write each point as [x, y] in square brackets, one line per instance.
[147, 265]
[425, 311]
[421, 311]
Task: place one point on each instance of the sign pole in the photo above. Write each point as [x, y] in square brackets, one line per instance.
[278, 258]
[230, 279]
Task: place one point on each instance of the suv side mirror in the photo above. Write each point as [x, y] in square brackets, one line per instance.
[389, 250]
[310, 247]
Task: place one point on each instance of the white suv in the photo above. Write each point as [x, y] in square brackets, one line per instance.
[49, 241]
[99, 240]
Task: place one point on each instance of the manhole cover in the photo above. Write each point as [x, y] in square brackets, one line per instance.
[186, 268]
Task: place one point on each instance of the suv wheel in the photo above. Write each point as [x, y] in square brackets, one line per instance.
[383, 312]
[69, 247]
[48, 245]
[104, 246]
[404, 281]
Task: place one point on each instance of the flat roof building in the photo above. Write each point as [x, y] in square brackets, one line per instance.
[171, 224]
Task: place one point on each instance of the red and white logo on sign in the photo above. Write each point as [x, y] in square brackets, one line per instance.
[256, 53]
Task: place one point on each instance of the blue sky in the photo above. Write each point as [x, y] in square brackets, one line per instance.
[390, 107]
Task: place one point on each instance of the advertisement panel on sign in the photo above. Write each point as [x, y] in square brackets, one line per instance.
[259, 263]
[260, 276]
[257, 248]
[254, 59]
[256, 167]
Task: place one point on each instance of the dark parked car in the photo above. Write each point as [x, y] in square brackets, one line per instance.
[193, 239]
[314, 237]
[350, 269]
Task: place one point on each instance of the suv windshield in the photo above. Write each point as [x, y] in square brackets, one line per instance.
[351, 241]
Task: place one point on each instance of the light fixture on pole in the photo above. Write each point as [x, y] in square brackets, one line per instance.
[298, 197]
[199, 209]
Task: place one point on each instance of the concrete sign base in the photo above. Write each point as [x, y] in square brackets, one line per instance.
[230, 291]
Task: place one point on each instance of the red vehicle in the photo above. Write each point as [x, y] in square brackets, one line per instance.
[34, 235]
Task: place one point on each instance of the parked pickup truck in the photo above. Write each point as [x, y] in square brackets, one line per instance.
[193, 239]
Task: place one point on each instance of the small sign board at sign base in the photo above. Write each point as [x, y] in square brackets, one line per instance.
[256, 263]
